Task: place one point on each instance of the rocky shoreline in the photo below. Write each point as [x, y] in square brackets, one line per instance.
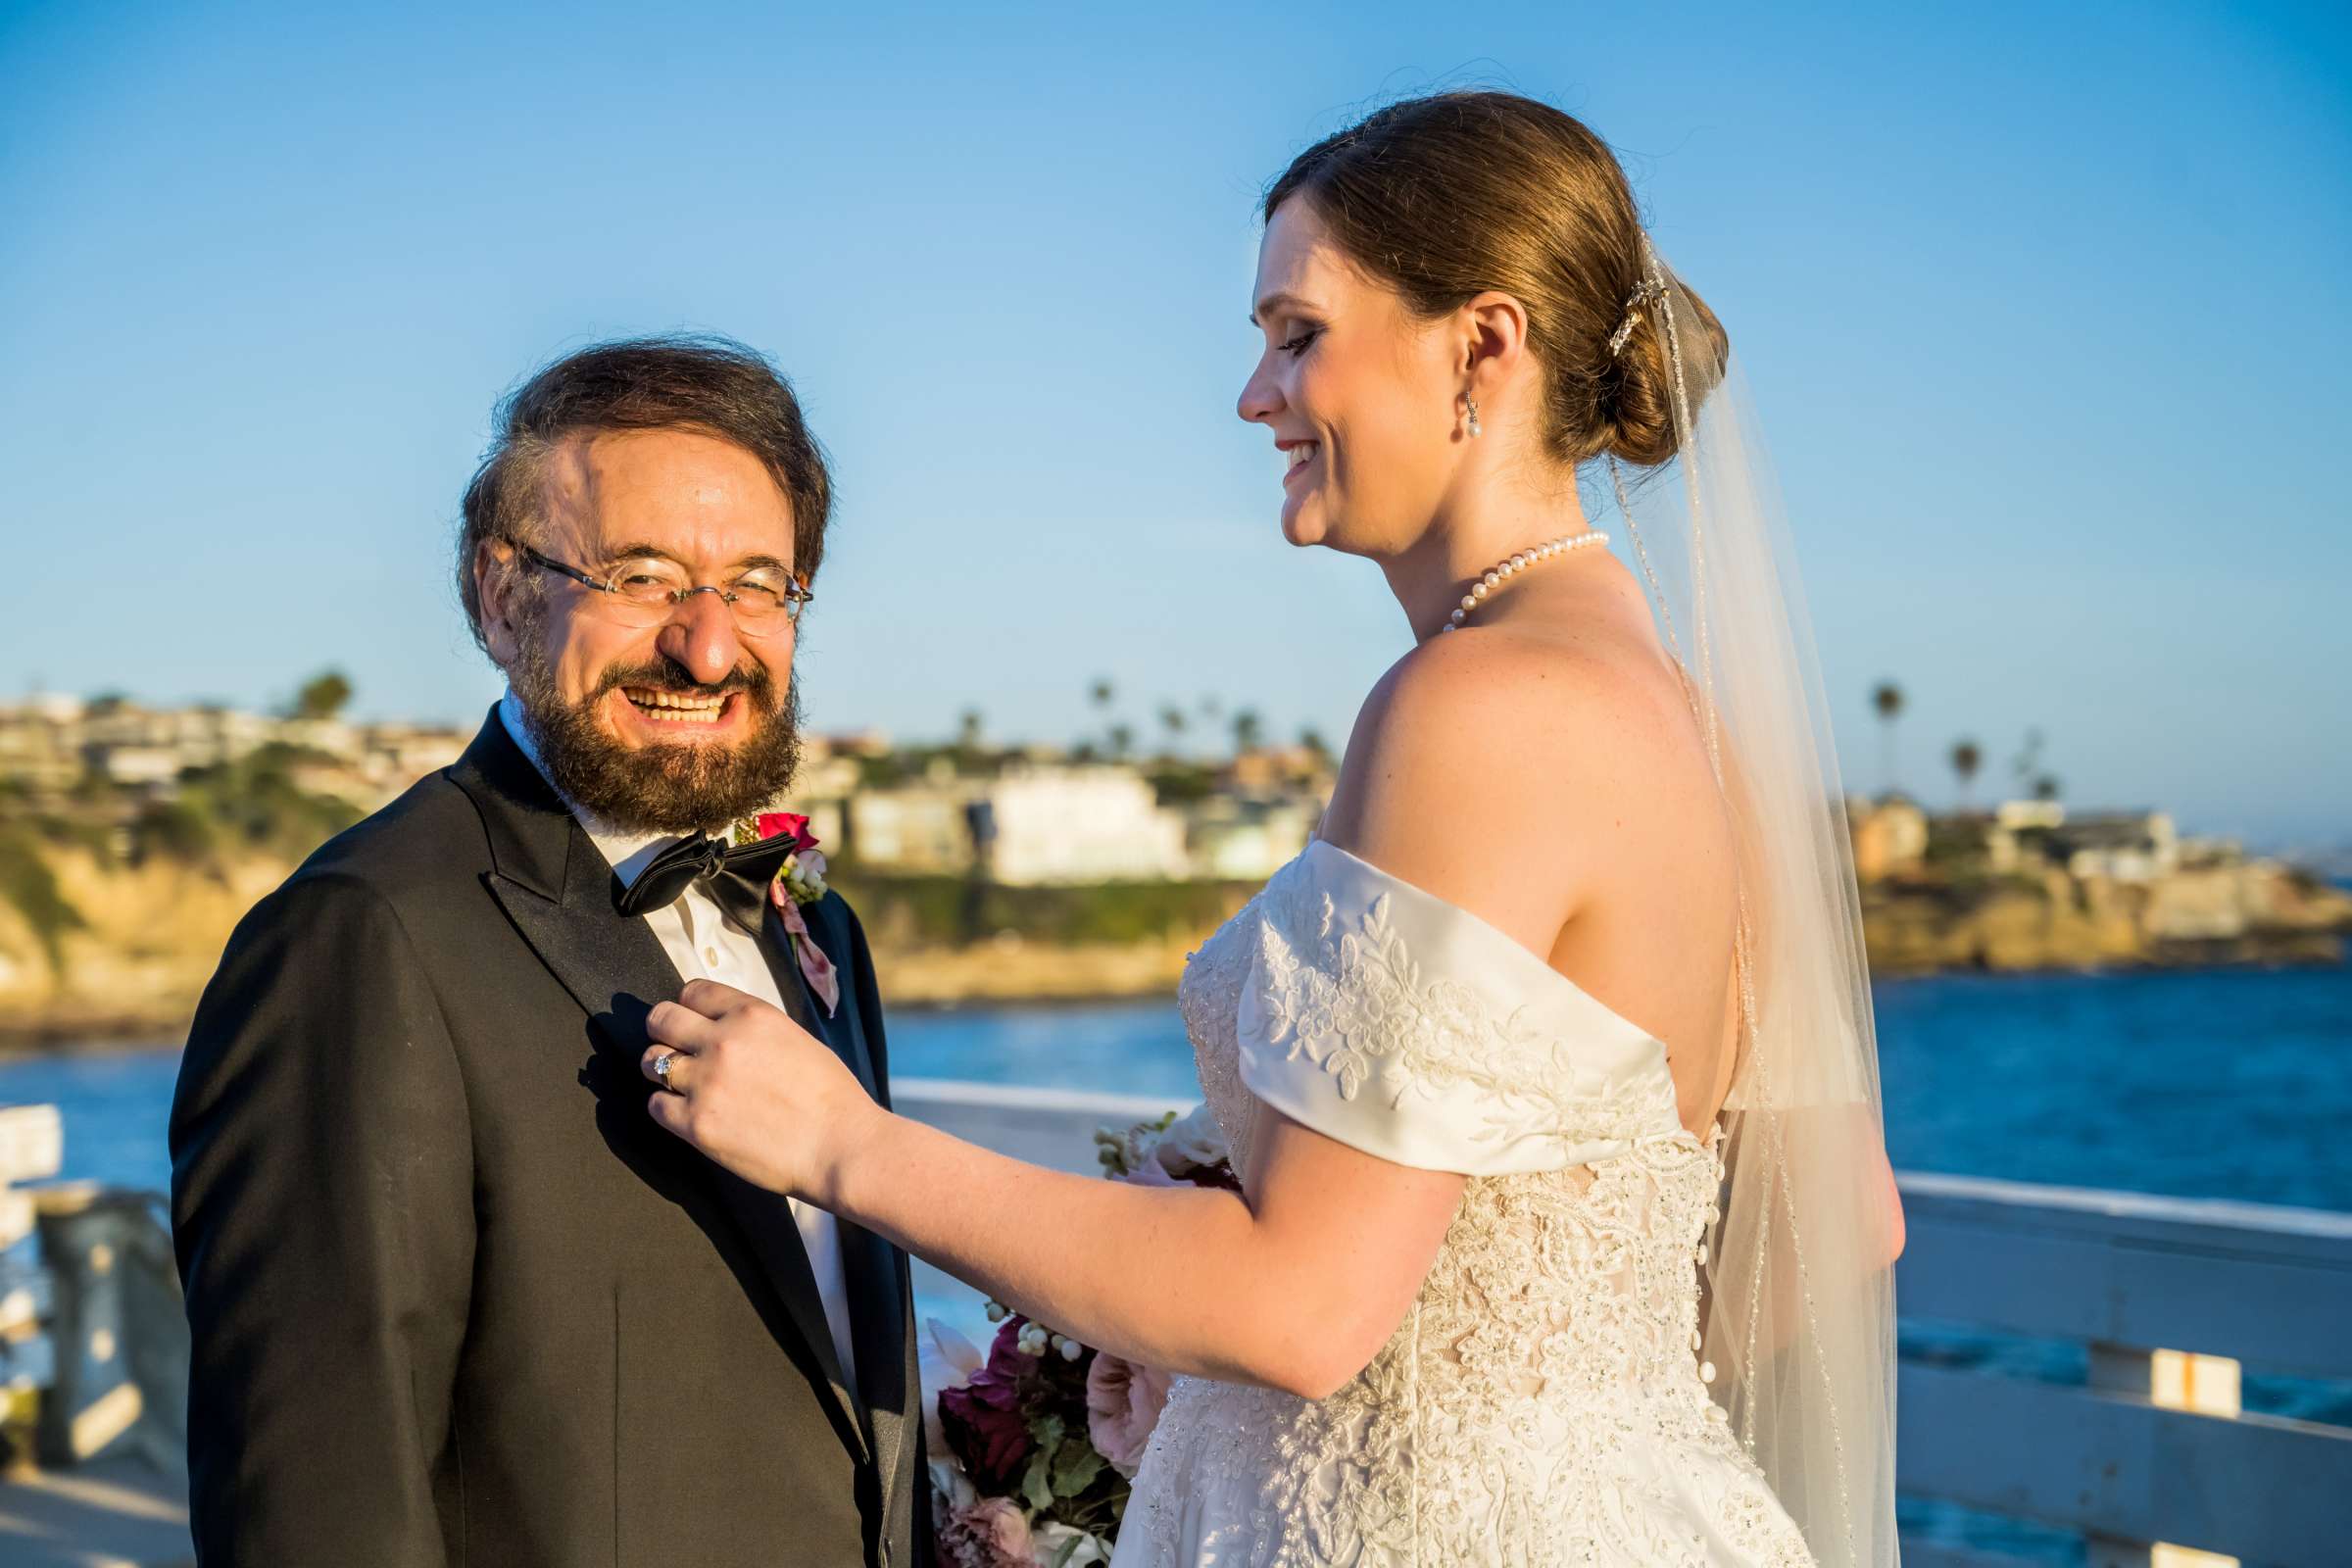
[147, 938]
[2024, 925]
[996, 975]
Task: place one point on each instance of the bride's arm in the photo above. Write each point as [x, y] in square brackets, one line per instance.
[1296, 1286]
[1295, 1289]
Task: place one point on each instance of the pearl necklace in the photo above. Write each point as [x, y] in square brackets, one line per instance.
[1504, 570]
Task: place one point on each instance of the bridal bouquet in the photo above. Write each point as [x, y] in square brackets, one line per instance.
[1033, 1444]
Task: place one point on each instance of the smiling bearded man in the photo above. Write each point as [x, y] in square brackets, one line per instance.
[455, 1296]
[655, 715]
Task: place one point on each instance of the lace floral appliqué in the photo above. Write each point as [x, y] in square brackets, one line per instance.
[1348, 995]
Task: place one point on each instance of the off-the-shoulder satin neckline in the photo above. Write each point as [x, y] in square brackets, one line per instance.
[1536, 964]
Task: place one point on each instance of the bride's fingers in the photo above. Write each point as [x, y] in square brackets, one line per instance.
[672, 1023]
[711, 999]
[670, 1112]
[674, 1082]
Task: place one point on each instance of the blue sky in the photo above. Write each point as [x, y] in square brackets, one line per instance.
[2045, 315]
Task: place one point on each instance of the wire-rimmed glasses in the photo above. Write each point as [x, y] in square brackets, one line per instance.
[647, 590]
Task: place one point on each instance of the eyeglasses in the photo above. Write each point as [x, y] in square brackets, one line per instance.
[647, 591]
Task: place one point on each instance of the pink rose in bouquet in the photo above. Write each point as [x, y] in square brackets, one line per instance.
[1123, 1401]
[991, 1532]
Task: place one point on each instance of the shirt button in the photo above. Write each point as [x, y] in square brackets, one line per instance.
[710, 955]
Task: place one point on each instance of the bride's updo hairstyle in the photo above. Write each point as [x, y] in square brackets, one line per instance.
[1446, 197]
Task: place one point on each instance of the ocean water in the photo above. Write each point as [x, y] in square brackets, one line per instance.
[2222, 1083]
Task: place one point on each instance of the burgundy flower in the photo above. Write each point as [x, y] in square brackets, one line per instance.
[983, 1420]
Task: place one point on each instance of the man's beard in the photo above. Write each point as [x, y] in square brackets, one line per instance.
[659, 789]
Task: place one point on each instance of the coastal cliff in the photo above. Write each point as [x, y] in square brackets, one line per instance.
[2029, 886]
[116, 946]
[122, 949]
[132, 839]
[2024, 925]
[95, 946]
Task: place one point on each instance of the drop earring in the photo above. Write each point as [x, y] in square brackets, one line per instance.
[1473, 406]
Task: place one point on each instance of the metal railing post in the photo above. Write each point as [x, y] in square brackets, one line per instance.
[120, 1335]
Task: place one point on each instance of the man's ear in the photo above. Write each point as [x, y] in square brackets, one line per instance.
[495, 583]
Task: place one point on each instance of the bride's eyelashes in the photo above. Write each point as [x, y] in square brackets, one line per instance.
[1296, 346]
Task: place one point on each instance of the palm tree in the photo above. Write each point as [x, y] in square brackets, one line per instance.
[2026, 766]
[1248, 730]
[1171, 719]
[1967, 757]
[1102, 692]
[1887, 698]
[1122, 740]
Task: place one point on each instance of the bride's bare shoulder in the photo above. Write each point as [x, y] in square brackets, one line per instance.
[1477, 748]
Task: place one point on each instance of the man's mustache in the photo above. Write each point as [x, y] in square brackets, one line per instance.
[755, 683]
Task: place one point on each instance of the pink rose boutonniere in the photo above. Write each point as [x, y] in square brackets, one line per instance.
[799, 881]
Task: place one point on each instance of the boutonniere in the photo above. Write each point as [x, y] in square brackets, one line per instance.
[802, 876]
[799, 881]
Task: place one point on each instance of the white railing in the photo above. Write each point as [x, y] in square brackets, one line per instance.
[2151, 1461]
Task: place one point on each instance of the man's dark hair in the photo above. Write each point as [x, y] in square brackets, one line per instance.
[713, 385]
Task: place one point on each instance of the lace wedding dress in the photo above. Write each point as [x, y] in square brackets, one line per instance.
[1544, 1401]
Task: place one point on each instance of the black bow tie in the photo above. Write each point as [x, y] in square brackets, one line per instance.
[738, 877]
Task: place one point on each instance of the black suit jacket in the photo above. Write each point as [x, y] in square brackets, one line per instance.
[456, 1298]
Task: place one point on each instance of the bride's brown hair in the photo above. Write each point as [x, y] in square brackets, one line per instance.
[1446, 197]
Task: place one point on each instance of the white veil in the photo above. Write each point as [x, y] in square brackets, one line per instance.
[1799, 1323]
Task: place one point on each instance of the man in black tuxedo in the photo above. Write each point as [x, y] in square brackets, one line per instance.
[456, 1298]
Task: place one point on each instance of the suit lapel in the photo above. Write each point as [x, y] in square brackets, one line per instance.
[838, 1029]
[558, 888]
[871, 1267]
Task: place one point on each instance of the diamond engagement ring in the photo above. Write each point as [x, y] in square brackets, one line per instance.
[662, 1065]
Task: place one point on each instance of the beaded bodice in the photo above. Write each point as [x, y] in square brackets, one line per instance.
[1543, 1400]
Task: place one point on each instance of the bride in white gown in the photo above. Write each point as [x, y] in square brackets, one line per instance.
[1515, 1279]
[1543, 1400]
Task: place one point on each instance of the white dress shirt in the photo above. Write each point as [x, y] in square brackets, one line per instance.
[706, 945]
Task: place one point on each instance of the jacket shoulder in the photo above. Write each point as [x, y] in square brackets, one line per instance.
[429, 839]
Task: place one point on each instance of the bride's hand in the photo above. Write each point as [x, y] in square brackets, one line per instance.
[753, 1090]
